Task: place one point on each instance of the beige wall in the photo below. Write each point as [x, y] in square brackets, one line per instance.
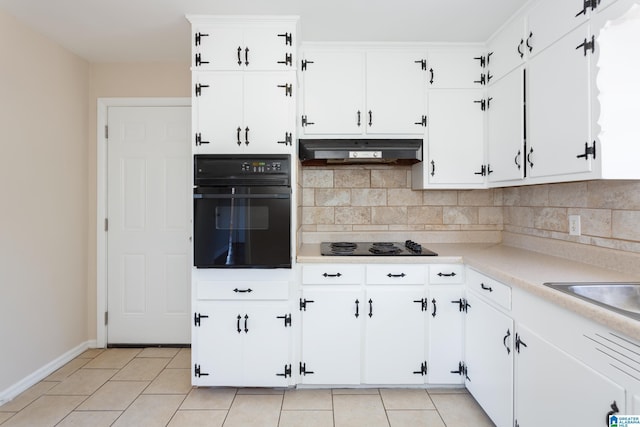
[125, 80]
[44, 93]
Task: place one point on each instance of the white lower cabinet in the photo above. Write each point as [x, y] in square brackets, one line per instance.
[239, 343]
[395, 332]
[554, 388]
[488, 366]
[445, 334]
[331, 319]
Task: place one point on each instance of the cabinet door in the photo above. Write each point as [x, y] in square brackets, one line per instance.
[549, 20]
[456, 69]
[218, 48]
[507, 49]
[553, 388]
[455, 147]
[506, 128]
[266, 351]
[331, 335]
[396, 92]
[489, 359]
[269, 112]
[218, 344]
[218, 112]
[394, 335]
[558, 108]
[445, 334]
[269, 48]
[333, 99]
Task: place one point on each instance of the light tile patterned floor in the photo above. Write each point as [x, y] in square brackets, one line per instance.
[151, 387]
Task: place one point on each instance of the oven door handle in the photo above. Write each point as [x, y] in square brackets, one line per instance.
[242, 196]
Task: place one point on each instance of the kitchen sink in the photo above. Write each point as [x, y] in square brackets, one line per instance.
[620, 297]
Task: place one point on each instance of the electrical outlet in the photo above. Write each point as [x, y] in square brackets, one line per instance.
[574, 225]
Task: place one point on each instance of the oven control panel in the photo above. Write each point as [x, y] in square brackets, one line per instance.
[260, 166]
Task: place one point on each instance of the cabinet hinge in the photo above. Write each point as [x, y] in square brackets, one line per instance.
[483, 171]
[519, 343]
[197, 372]
[199, 61]
[303, 369]
[482, 59]
[197, 317]
[286, 318]
[588, 151]
[482, 81]
[423, 64]
[422, 122]
[288, 89]
[462, 370]
[306, 122]
[199, 88]
[423, 369]
[199, 140]
[463, 305]
[288, 38]
[287, 371]
[593, 4]
[588, 44]
[106, 318]
[303, 67]
[303, 304]
[288, 139]
[515, 424]
[198, 38]
[106, 224]
[423, 303]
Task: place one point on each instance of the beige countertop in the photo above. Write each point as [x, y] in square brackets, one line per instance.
[515, 267]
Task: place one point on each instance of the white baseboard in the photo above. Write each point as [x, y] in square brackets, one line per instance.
[10, 393]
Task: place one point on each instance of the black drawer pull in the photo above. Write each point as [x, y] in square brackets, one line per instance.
[332, 275]
[486, 288]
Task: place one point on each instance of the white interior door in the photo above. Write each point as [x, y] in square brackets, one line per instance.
[148, 248]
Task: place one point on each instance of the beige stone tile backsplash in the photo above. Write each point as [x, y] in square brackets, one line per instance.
[380, 198]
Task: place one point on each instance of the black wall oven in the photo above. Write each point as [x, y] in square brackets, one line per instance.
[242, 211]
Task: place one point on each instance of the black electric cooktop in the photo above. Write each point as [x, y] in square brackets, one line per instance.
[407, 248]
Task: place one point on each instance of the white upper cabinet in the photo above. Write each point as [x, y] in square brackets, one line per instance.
[506, 50]
[358, 91]
[456, 68]
[396, 83]
[228, 43]
[333, 93]
[505, 128]
[549, 20]
[559, 109]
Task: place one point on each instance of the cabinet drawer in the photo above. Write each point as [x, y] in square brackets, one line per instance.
[392, 274]
[446, 273]
[241, 290]
[489, 288]
[332, 274]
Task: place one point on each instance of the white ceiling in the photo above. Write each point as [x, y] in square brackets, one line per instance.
[156, 30]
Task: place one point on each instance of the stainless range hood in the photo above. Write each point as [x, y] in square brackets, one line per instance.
[360, 151]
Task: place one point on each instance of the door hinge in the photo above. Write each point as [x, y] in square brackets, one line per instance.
[106, 318]
[287, 371]
[197, 317]
[483, 171]
[286, 318]
[199, 88]
[462, 370]
[463, 305]
[593, 4]
[422, 122]
[423, 303]
[588, 151]
[423, 369]
[198, 38]
[306, 122]
[482, 59]
[303, 304]
[197, 372]
[423, 64]
[106, 224]
[519, 343]
[304, 64]
[588, 44]
[303, 369]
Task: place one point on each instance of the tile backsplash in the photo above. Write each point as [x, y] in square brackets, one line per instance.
[380, 198]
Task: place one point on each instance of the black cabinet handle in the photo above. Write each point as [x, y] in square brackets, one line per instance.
[239, 53]
[370, 118]
[452, 274]
[246, 135]
[357, 309]
[614, 410]
[246, 320]
[504, 341]
[433, 168]
[243, 291]
[396, 275]
[516, 159]
[358, 118]
[332, 275]
[433, 313]
[238, 325]
[486, 288]
[528, 39]
[432, 75]
[238, 135]
[520, 48]
[370, 307]
[246, 56]
[529, 157]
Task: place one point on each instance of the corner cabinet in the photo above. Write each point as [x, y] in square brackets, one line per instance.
[244, 85]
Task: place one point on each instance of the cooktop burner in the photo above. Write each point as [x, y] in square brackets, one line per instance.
[408, 248]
